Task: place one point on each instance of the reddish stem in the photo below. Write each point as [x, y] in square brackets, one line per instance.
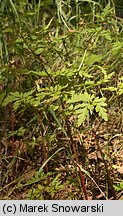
[12, 125]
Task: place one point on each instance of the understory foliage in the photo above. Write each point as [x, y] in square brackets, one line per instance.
[61, 89]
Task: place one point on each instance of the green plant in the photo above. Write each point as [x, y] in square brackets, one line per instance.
[60, 77]
[118, 186]
[46, 190]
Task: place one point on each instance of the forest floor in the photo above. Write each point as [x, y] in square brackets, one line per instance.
[100, 154]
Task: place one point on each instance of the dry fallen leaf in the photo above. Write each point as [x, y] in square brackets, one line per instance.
[120, 170]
